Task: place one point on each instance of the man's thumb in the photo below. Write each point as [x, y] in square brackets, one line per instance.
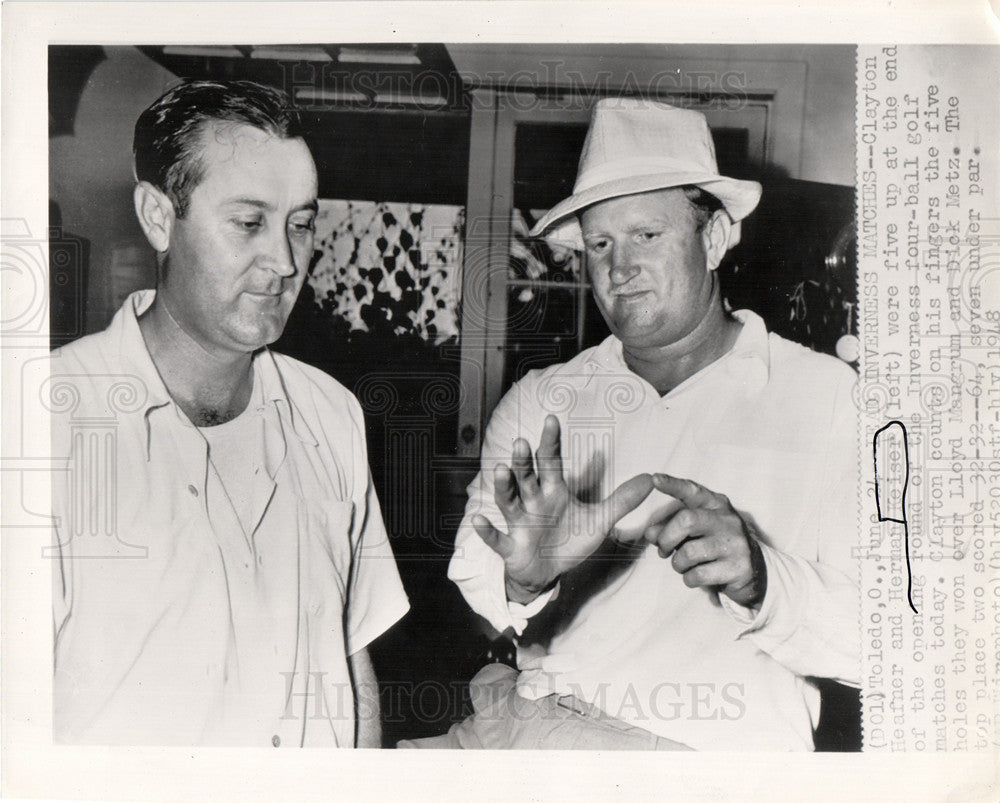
[627, 497]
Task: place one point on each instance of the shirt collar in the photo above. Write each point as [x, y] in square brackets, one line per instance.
[274, 395]
[271, 395]
[753, 340]
[750, 353]
[126, 336]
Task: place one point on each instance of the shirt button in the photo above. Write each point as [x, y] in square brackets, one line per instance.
[193, 491]
[276, 740]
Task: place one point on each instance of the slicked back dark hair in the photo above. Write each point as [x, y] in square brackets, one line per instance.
[167, 147]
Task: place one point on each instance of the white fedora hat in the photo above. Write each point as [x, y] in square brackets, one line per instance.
[636, 145]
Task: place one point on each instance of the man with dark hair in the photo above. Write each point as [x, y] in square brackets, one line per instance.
[700, 620]
[238, 567]
[167, 141]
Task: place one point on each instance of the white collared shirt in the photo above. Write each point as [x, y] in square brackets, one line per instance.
[174, 623]
[771, 425]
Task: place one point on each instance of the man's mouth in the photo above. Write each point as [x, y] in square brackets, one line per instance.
[630, 295]
[263, 294]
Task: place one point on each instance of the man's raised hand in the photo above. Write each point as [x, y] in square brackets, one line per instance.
[709, 542]
[549, 530]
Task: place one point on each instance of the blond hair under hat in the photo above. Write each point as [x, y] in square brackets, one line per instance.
[636, 145]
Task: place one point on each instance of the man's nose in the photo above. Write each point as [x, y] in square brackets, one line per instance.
[623, 267]
[278, 255]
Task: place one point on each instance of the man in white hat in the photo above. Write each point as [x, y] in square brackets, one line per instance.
[727, 581]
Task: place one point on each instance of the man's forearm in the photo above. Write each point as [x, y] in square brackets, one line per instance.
[366, 701]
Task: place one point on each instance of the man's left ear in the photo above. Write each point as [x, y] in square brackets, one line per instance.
[156, 215]
[716, 235]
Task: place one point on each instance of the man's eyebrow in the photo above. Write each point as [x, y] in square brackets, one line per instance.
[256, 203]
[652, 220]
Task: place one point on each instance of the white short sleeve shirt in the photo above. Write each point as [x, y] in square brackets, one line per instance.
[175, 623]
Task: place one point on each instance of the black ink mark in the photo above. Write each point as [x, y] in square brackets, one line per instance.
[897, 499]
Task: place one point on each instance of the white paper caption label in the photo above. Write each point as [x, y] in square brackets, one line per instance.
[929, 307]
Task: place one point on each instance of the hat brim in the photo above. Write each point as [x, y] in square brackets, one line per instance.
[560, 226]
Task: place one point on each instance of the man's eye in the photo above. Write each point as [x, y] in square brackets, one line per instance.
[248, 224]
[597, 246]
[303, 226]
[649, 235]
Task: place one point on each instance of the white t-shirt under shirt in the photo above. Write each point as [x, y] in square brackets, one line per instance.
[236, 452]
[236, 455]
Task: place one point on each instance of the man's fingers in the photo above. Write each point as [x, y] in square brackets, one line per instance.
[712, 574]
[625, 498]
[523, 468]
[497, 541]
[685, 523]
[689, 492]
[504, 489]
[694, 552]
[549, 454]
[652, 533]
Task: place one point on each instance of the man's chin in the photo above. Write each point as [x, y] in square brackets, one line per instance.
[251, 339]
[633, 334]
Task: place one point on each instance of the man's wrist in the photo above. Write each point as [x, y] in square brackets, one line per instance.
[523, 593]
[751, 594]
